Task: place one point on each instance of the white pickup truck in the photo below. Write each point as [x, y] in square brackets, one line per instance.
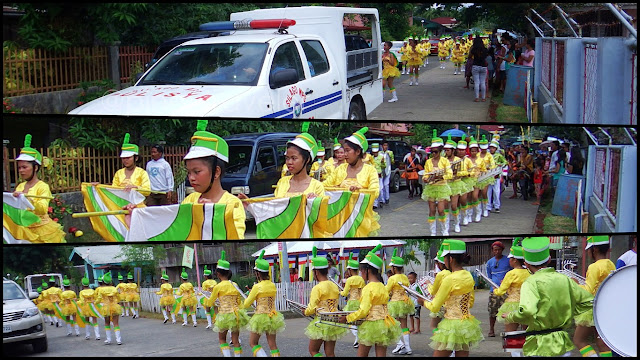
[274, 63]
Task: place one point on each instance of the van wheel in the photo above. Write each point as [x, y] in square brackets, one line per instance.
[355, 111]
[40, 345]
[395, 183]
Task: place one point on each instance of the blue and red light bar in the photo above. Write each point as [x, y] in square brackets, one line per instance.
[247, 24]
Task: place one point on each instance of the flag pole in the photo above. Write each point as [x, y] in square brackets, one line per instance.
[195, 255]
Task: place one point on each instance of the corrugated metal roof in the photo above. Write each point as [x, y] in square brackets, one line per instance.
[99, 255]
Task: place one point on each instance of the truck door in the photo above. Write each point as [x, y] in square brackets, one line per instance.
[288, 100]
[323, 88]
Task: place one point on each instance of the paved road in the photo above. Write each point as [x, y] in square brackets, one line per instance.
[149, 337]
[439, 97]
[404, 217]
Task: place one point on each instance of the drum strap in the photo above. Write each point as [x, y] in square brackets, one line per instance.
[539, 332]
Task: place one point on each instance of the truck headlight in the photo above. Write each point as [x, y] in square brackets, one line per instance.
[240, 190]
[29, 312]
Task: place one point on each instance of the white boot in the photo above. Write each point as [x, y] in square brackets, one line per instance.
[406, 350]
[226, 351]
[164, 313]
[394, 96]
[355, 333]
[173, 318]
[432, 227]
[485, 211]
[410, 79]
[118, 337]
[463, 215]
[77, 327]
[237, 351]
[416, 76]
[68, 329]
[108, 332]
[193, 318]
[184, 318]
[478, 209]
[444, 226]
[87, 332]
[208, 321]
[399, 346]
[260, 352]
[96, 330]
[456, 223]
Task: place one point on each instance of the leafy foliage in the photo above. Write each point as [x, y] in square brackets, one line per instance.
[422, 245]
[147, 257]
[27, 260]
[58, 209]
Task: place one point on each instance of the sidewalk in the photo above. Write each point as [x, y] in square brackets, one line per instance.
[439, 97]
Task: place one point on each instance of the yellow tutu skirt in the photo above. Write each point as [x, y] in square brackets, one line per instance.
[132, 297]
[190, 301]
[111, 309]
[390, 71]
[168, 300]
[415, 61]
[68, 308]
[47, 231]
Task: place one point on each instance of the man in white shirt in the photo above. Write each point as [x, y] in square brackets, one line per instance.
[555, 145]
[160, 177]
[386, 172]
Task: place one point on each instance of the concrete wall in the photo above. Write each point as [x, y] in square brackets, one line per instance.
[55, 102]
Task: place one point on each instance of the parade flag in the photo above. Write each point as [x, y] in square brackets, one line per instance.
[102, 198]
[290, 218]
[16, 218]
[95, 310]
[350, 214]
[292, 261]
[187, 257]
[183, 222]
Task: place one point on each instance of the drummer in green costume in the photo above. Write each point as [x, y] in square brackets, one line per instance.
[548, 303]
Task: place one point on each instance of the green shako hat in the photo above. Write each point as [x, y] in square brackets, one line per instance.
[473, 143]
[184, 274]
[128, 149]
[206, 271]
[450, 144]
[204, 143]
[375, 147]
[223, 263]
[66, 281]
[435, 140]
[85, 280]
[39, 289]
[451, 246]
[52, 279]
[306, 141]
[516, 252]
[373, 259]
[45, 285]
[336, 144]
[359, 139]
[321, 151]
[439, 258]
[164, 275]
[100, 279]
[129, 276]
[107, 278]
[262, 265]
[597, 240]
[536, 250]
[319, 262]
[27, 153]
[352, 264]
[484, 144]
[396, 261]
[120, 278]
[462, 144]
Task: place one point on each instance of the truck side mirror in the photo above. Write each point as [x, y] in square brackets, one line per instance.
[282, 78]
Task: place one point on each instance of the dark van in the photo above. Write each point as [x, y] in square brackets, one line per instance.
[255, 162]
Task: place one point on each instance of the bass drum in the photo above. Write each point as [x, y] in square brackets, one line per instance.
[615, 311]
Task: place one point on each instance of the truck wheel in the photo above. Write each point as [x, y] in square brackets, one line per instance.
[40, 345]
[355, 111]
[395, 183]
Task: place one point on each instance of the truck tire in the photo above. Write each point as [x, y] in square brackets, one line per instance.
[40, 345]
[355, 111]
[395, 183]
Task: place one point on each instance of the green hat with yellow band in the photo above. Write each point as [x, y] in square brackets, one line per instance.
[39, 289]
[435, 140]
[107, 278]
[439, 258]
[597, 240]
[306, 141]
[85, 280]
[536, 250]
[223, 263]
[373, 259]
[359, 139]
[27, 153]
[127, 148]
[100, 279]
[129, 276]
[451, 246]
[318, 262]
[66, 281]
[516, 252]
[45, 285]
[484, 143]
[375, 147]
[336, 144]
[120, 278]
[321, 150]
[262, 265]
[396, 261]
[352, 264]
[473, 143]
[164, 275]
[450, 144]
[462, 144]
[184, 274]
[205, 143]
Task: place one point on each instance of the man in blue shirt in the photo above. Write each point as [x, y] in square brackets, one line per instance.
[497, 268]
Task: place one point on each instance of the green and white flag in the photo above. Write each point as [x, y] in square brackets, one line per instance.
[16, 218]
[350, 214]
[290, 218]
[187, 257]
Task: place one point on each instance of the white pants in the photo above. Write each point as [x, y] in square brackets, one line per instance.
[379, 198]
[384, 188]
[494, 196]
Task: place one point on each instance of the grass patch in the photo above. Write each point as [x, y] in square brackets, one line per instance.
[554, 224]
[506, 113]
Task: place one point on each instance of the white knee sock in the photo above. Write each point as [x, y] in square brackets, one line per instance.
[193, 318]
[164, 313]
[184, 317]
[173, 317]
[209, 319]
[96, 330]
[225, 349]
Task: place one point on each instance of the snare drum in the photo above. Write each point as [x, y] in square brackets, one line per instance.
[513, 341]
[615, 311]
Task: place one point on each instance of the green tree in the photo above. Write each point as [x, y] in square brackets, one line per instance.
[26, 260]
[146, 257]
[420, 244]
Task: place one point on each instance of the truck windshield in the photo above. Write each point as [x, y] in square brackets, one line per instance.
[11, 291]
[209, 64]
[239, 159]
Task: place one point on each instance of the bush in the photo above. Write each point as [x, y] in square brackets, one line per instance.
[90, 93]
[58, 209]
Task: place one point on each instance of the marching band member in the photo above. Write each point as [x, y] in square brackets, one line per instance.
[266, 320]
[338, 155]
[167, 300]
[548, 303]
[477, 167]
[319, 168]
[457, 187]
[597, 248]
[207, 285]
[415, 54]
[230, 316]
[45, 304]
[132, 295]
[426, 47]
[439, 191]
[325, 296]
[87, 298]
[511, 285]
[457, 57]
[189, 300]
[404, 58]
[400, 306]
[299, 155]
[121, 296]
[467, 180]
[490, 164]
[353, 289]
[389, 71]
[68, 308]
[39, 301]
[443, 51]
[53, 296]
[131, 176]
[108, 297]
[494, 190]
[379, 329]
[29, 162]
[436, 317]
[459, 331]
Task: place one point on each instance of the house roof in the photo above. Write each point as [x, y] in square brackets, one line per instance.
[98, 255]
[445, 20]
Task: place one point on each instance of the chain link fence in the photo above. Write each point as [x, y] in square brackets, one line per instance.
[590, 110]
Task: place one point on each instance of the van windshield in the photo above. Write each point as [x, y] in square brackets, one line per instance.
[239, 159]
[209, 64]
